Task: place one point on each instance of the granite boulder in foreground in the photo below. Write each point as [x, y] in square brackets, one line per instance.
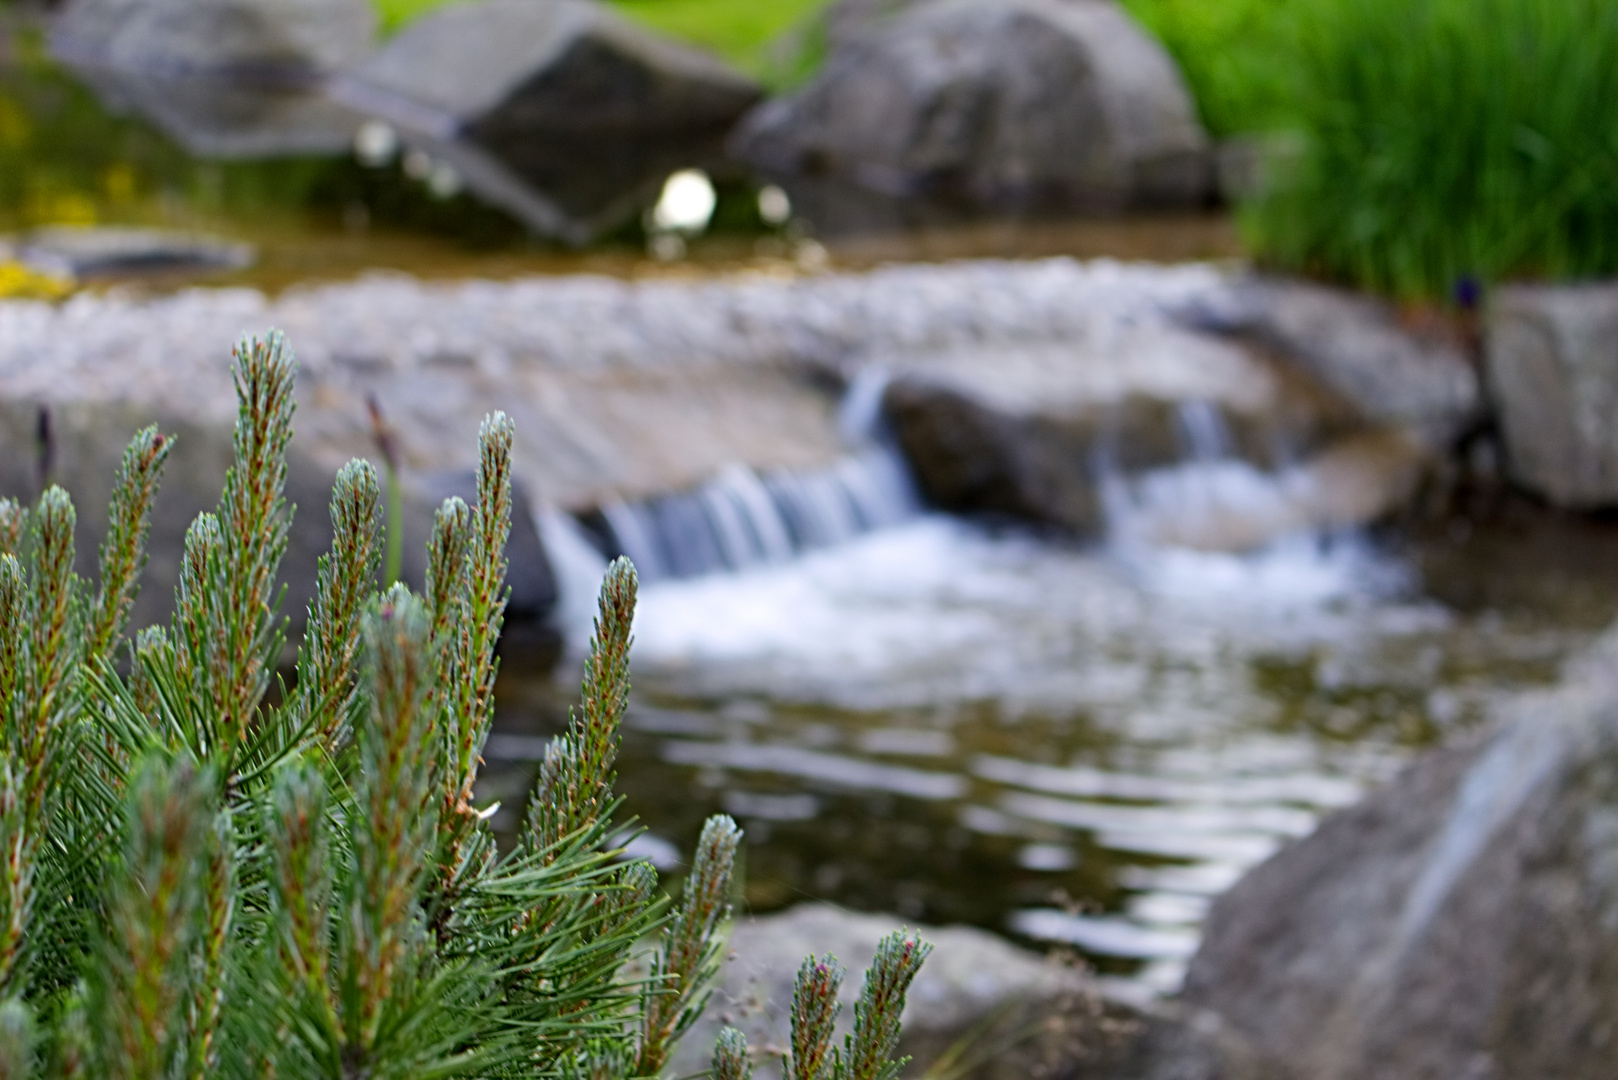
[1461, 924]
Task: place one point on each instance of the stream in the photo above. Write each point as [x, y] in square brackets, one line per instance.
[1067, 744]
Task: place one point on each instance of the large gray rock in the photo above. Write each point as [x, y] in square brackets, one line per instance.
[230, 118]
[1051, 432]
[1462, 923]
[265, 40]
[998, 102]
[1553, 374]
[510, 73]
[560, 112]
[1417, 378]
[224, 78]
[1001, 1013]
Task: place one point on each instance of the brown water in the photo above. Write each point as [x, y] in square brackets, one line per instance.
[1067, 744]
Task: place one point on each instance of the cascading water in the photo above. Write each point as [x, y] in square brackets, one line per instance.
[1211, 500]
[741, 519]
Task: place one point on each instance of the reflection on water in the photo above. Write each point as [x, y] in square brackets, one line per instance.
[1059, 743]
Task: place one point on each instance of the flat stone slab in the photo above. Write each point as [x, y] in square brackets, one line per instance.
[84, 252]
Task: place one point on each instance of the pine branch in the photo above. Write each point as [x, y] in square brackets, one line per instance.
[301, 880]
[396, 816]
[17, 849]
[446, 599]
[815, 1009]
[218, 911]
[142, 976]
[875, 1038]
[123, 553]
[690, 954]
[253, 523]
[301, 886]
[52, 642]
[575, 782]
[13, 523]
[200, 660]
[731, 1060]
[485, 602]
[13, 646]
[328, 663]
[445, 585]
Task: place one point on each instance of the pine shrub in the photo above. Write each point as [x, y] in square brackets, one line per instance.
[195, 882]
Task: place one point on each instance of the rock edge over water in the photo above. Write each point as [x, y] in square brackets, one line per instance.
[618, 389]
[1461, 923]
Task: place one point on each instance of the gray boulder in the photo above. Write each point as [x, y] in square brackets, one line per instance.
[511, 74]
[1552, 368]
[1462, 923]
[560, 112]
[997, 102]
[1051, 432]
[230, 118]
[264, 40]
[997, 1011]
[1416, 378]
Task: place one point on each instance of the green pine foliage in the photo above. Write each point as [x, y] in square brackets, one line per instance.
[195, 882]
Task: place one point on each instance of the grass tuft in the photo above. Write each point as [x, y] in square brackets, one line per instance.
[1450, 141]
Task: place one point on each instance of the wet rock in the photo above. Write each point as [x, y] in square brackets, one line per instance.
[997, 103]
[509, 72]
[276, 41]
[1416, 378]
[999, 1012]
[81, 252]
[1463, 922]
[1553, 374]
[1039, 433]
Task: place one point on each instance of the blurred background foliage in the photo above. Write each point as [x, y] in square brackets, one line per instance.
[1449, 141]
[1427, 142]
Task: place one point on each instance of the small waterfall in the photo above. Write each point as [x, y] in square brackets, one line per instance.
[1203, 427]
[742, 518]
[1212, 499]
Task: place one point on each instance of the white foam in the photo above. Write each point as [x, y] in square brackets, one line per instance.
[938, 609]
